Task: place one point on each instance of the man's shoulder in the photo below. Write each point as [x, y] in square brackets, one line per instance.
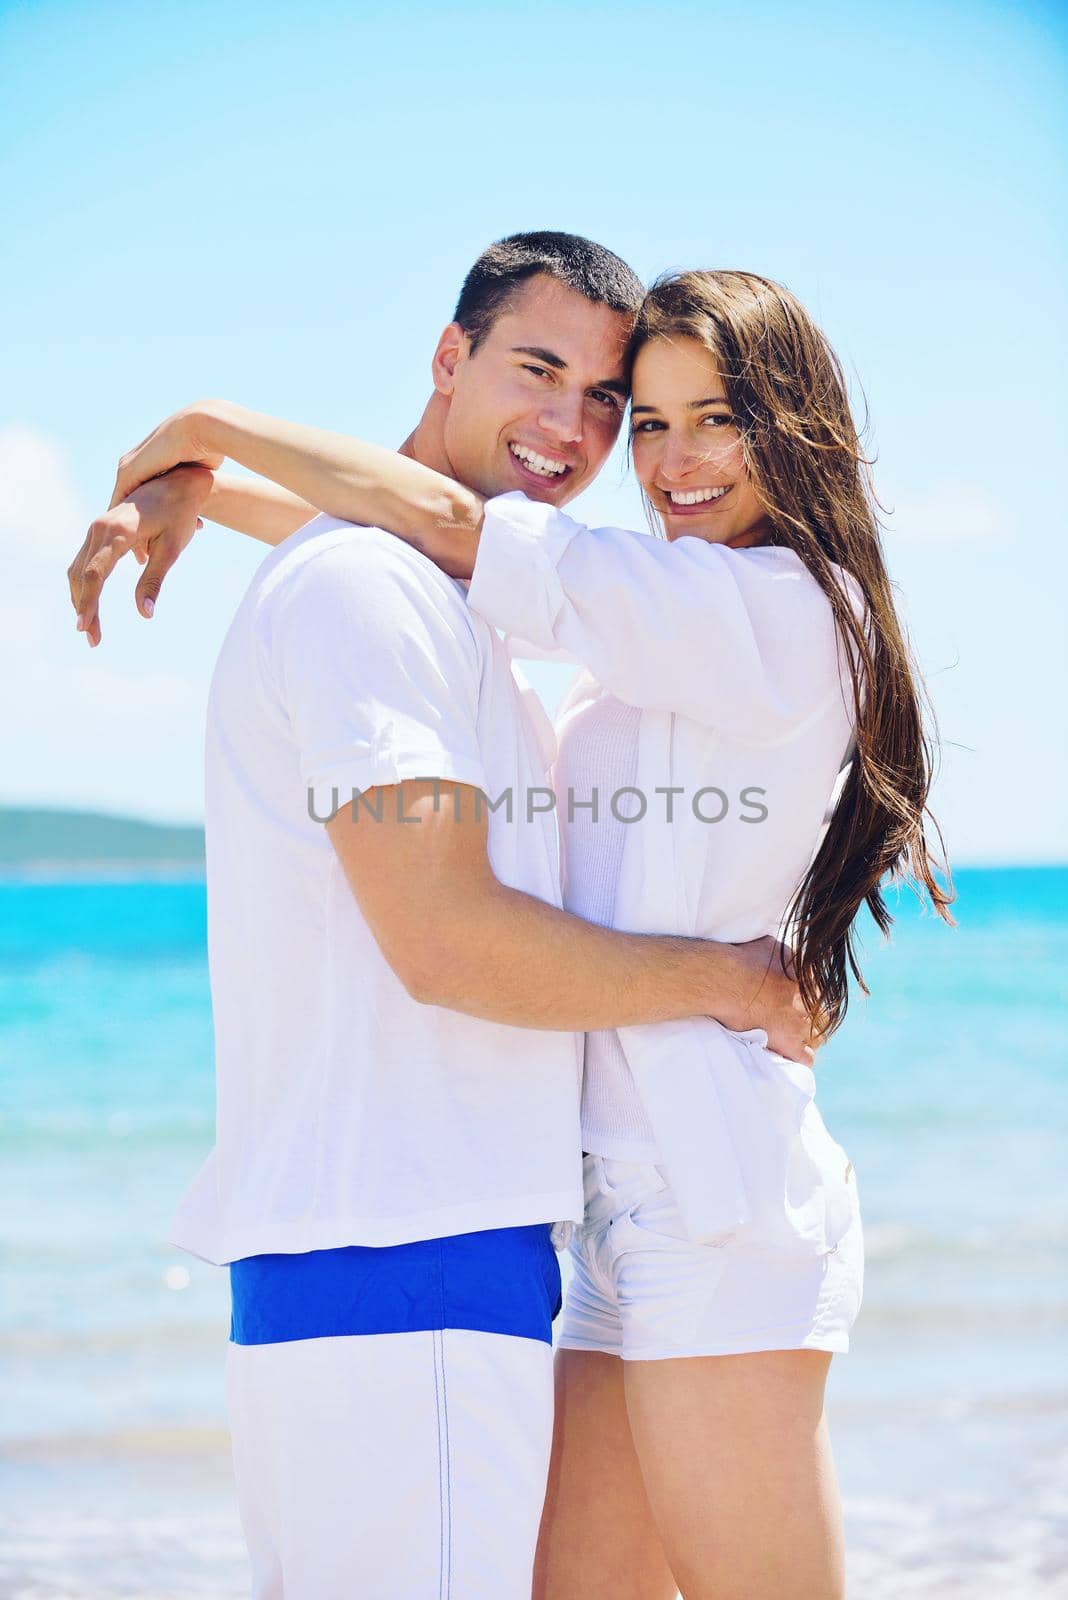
[333, 568]
[329, 552]
[337, 546]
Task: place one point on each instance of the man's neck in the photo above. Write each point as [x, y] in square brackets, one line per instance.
[426, 442]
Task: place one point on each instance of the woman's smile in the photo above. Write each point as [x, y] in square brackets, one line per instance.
[692, 502]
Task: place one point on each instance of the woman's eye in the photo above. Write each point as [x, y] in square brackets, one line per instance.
[718, 419]
[647, 427]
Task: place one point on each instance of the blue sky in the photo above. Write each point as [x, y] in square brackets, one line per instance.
[277, 205]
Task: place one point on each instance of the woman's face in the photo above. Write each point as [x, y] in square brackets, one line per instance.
[687, 450]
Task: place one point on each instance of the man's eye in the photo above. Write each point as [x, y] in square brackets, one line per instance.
[540, 372]
[604, 398]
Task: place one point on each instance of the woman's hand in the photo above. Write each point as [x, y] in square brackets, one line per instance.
[180, 440]
[344, 477]
[156, 522]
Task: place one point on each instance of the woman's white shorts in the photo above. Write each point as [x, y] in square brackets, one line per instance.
[642, 1290]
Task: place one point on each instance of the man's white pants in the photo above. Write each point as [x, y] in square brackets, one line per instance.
[392, 1466]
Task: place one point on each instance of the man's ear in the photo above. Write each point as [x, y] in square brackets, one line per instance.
[452, 349]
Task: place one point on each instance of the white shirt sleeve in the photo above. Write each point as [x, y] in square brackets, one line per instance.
[375, 665]
[740, 640]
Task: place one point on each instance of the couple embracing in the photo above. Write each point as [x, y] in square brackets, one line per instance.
[459, 1029]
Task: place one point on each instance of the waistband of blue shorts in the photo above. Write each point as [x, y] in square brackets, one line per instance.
[502, 1280]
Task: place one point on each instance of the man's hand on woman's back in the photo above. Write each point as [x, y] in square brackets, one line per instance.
[769, 998]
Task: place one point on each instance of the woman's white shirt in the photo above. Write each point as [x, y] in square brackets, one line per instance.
[747, 727]
[593, 779]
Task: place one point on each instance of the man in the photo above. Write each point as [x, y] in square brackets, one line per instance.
[397, 995]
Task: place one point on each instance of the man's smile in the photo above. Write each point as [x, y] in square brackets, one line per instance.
[541, 467]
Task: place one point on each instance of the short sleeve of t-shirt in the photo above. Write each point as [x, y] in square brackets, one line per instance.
[375, 664]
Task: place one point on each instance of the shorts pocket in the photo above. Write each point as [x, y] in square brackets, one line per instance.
[846, 1263]
[638, 1207]
[654, 1222]
[655, 1216]
[796, 1176]
[665, 1282]
[837, 1179]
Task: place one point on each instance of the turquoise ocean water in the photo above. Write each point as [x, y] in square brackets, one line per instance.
[948, 1088]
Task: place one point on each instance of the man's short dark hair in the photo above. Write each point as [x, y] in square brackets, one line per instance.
[592, 271]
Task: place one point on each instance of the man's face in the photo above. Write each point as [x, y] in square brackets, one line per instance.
[538, 405]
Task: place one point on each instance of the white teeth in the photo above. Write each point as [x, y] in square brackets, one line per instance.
[544, 465]
[695, 497]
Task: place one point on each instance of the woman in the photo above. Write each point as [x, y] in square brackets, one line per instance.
[749, 672]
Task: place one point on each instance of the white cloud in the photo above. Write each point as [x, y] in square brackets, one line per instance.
[117, 732]
[947, 514]
[42, 512]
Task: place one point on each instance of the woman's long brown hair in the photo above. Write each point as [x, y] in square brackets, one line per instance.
[788, 397]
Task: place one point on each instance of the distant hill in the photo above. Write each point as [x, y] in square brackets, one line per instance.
[41, 841]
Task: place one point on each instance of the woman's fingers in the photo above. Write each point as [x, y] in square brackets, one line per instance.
[157, 453]
[132, 473]
[126, 479]
[174, 443]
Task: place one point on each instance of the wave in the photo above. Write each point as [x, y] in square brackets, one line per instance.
[127, 1444]
[1016, 1239]
[161, 1336]
[89, 1126]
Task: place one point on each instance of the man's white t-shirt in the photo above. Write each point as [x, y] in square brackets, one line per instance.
[347, 1112]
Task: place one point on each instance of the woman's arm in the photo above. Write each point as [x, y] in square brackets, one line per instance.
[741, 640]
[345, 477]
[302, 470]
